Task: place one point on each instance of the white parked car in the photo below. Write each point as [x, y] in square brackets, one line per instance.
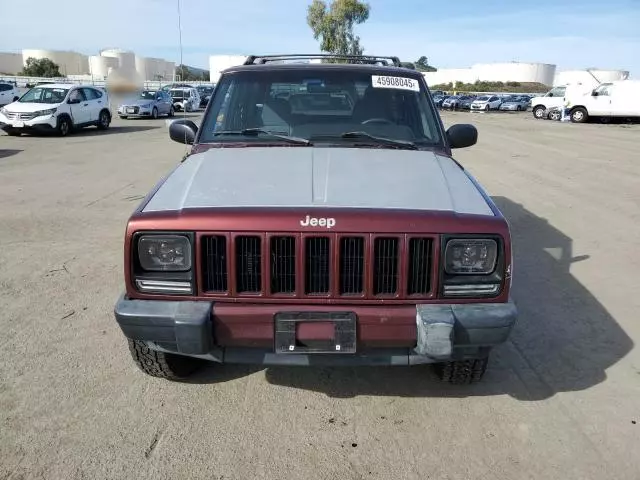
[553, 98]
[486, 103]
[57, 108]
[8, 93]
[185, 98]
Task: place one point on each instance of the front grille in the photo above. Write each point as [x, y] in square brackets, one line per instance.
[283, 264]
[248, 264]
[385, 268]
[365, 267]
[20, 116]
[317, 266]
[214, 264]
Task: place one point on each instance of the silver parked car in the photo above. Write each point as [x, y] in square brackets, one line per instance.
[515, 103]
[149, 103]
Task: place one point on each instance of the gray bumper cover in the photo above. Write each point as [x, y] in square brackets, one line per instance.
[443, 332]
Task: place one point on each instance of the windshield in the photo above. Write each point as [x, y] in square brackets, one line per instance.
[44, 95]
[483, 98]
[179, 94]
[148, 95]
[320, 105]
[205, 90]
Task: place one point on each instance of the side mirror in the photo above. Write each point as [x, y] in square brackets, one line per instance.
[550, 95]
[594, 93]
[73, 101]
[183, 131]
[462, 135]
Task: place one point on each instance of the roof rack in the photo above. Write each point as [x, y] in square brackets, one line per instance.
[362, 59]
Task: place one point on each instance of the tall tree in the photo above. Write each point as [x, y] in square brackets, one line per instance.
[333, 25]
[40, 67]
[422, 64]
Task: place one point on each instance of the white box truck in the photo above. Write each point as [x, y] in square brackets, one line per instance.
[619, 99]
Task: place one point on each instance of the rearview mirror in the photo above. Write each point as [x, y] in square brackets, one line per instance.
[462, 135]
[183, 131]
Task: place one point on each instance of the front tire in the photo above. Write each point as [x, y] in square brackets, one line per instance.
[154, 113]
[487, 107]
[64, 126]
[13, 133]
[172, 112]
[579, 115]
[160, 364]
[538, 112]
[462, 372]
[104, 120]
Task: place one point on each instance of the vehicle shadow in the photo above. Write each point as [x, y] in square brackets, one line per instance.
[564, 339]
[114, 130]
[5, 153]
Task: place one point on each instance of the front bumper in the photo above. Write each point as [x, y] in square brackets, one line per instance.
[230, 333]
[42, 124]
[122, 112]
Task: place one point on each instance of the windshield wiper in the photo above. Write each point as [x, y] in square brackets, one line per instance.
[258, 131]
[381, 140]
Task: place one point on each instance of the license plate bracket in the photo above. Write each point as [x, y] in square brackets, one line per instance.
[344, 335]
[131, 110]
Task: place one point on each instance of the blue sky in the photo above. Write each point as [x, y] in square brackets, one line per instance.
[571, 34]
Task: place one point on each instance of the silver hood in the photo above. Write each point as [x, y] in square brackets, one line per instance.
[319, 177]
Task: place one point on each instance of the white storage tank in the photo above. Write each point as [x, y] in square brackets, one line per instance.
[169, 71]
[590, 76]
[126, 58]
[70, 63]
[10, 63]
[101, 66]
[515, 72]
[218, 63]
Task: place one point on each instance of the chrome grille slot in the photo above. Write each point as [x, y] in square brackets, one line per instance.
[419, 266]
[248, 264]
[317, 266]
[283, 264]
[385, 266]
[351, 266]
[214, 264]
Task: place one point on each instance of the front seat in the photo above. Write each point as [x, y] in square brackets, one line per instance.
[375, 103]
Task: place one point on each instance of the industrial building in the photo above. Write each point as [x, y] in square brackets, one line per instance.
[495, 72]
[543, 73]
[96, 67]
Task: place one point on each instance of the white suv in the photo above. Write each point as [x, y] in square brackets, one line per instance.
[57, 108]
[8, 93]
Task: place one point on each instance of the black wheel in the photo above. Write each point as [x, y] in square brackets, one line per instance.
[579, 115]
[160, 364]
[64, 126]
[462, 372]
[13, 133]
[172, 112]
[104, 120]
[154, 113]
[555, 115]
[487, 107]
[538, 112]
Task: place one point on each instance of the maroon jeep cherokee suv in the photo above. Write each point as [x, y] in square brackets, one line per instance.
[319, 219]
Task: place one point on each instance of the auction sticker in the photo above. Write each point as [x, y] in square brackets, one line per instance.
[400, 83]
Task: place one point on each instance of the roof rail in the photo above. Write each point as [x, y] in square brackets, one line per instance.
[366, 59]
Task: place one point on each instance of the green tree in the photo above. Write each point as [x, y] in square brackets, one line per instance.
[409, 65]
[333, 25]
[40, 67]
[187, 75]
[422, 64]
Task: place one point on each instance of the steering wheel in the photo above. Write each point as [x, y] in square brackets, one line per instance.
[377, 120]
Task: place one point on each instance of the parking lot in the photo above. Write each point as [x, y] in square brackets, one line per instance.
[560, 399]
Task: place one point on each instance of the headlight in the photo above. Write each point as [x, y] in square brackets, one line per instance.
[470, 256]
[161, 253]
[42, 113]
[3, 111]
